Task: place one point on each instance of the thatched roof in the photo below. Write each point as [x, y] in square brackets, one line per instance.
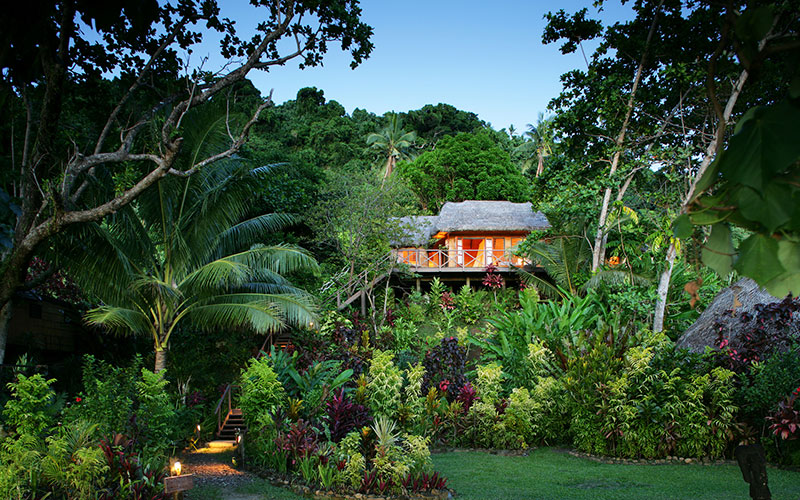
[490, 216]
[415, 231]
[727, 310]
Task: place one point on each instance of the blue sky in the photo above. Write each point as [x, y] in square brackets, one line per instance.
[479, 56]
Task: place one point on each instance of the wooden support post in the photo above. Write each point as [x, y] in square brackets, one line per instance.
[364, 303]
[419, 285]
[468, 281]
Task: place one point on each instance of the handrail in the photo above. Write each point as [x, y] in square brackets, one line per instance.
[338, 286]
[229, 388]
[229, 393]
[446, 258]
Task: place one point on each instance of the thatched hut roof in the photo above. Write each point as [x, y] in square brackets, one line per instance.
[490, 216]
[727, 310]
[464, 216]
[415, 231]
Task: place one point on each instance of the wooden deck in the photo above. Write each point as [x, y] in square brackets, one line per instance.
[443, 260]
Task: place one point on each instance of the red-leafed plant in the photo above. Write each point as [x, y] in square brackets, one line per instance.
[126, 475]
[424, 482]
[344, 415]
[467, 395]
[447, 301]
[491, 279]
[785, 422]
[300, 442]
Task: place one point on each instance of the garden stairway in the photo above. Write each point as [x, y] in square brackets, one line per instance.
[232, 425]
[358, 286]
[233, 421]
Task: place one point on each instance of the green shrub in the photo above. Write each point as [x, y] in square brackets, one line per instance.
[31, 409]
[405, 334]
[108, 396]
[155, 417]
[518, 417]
[469, 305]
[261, 390]
[20, 466]
[412, 397]
[488, 384]
[549, 418]
[384, 382]
[767, 383]
[74, 466]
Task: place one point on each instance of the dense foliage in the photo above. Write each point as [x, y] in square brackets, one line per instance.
[464, 167]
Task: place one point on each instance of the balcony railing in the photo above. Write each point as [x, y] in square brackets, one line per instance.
[432, 259]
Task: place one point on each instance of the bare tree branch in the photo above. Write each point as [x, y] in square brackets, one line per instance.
[144, 72]
[237, 144]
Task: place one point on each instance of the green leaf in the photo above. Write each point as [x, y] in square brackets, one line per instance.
[766, 144]
[794, 87]
[682, 226]
[709, 177]
[754, 23]
[706, 218]
[784, 284]
[771, 210]
[788, 282]
[718, 250]
[758, 259]
[789, 255]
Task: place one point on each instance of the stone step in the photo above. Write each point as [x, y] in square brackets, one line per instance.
[221, 443]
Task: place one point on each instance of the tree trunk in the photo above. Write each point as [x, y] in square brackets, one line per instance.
[599, 249]
[5, 320]
[711, 151]
[663, 289]
[540, 166]
[390, 162]
[161, 359]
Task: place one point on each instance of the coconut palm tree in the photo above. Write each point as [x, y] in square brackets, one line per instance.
[393, 143]
[539, 143]
[566, 259]
[185, 252]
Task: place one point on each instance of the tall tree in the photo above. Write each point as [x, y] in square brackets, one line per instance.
[688, 89]
[66, 176]
[540, 140]
[393, 143]
[185, 252]
[465, 167]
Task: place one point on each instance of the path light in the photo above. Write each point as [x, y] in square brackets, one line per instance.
[176, 468]
[311, 325]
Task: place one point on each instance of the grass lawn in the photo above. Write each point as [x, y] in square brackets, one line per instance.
[548, 474]
[258, 489]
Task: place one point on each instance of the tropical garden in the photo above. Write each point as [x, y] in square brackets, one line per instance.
[201, 233]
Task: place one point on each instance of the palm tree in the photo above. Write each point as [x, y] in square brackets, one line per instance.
[567, 260]
[541, 139]
[185, 251]
[393, 143]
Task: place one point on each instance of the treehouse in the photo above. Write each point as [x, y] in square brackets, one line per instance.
[465, 238]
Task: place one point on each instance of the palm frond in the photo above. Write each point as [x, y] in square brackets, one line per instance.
[250, 232]
[263, 318]
[151, 287]
[216, 275]
[279, 259]
[616, 277]
[543, 286]
[119, 320]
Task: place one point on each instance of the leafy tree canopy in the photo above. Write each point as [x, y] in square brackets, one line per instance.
[431, 123]
[465, 167]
